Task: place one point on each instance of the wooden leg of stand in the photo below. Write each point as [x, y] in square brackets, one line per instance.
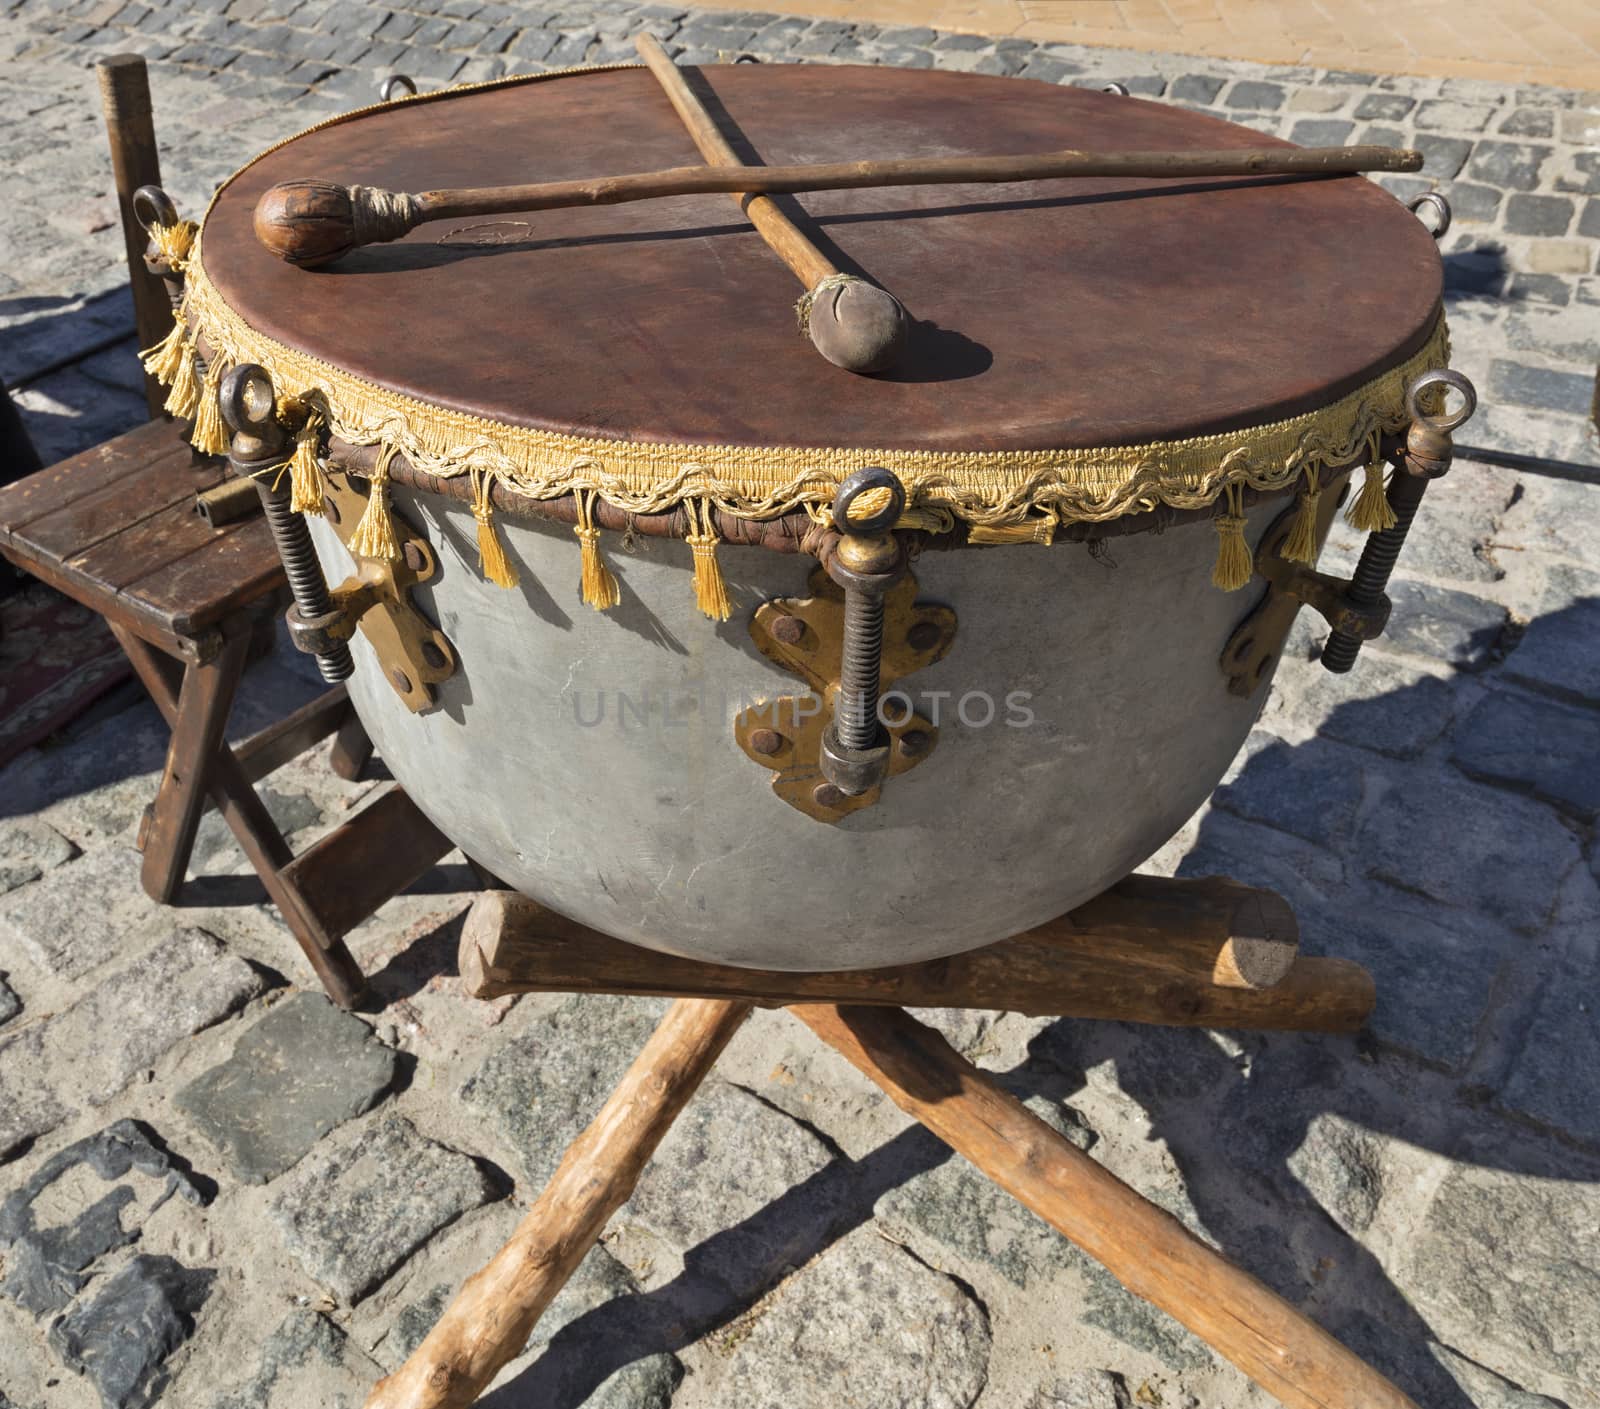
[351, 748]
[1144, 1247]
[491, 1318]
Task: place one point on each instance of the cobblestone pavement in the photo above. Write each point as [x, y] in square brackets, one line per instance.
[277, 1229]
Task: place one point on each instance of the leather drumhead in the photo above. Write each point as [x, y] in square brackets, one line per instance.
[1047, 315]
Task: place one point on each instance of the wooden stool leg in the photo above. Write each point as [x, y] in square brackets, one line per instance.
[490, 1320]
[1144, 1247]
[198, 719]
[351, 748]
[220, 775]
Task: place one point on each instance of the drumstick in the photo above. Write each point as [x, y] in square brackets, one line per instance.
[854, 324]
[312, 222]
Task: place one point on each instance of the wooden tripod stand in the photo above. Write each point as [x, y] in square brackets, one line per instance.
[1176, 952]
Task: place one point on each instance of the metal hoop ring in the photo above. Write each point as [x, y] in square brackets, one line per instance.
[396, 80]
[747, 59]
[152, 207]
[1120, 89]
[873, 477]
[245, 398]
[1444, 378]
[1441, 208]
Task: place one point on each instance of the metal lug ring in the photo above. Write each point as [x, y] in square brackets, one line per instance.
[152, 207]
[1445, 378]
[747, 59]
[393, 81]
[1441, 208]
[873, 477]
[245, 398]
[1120, 89]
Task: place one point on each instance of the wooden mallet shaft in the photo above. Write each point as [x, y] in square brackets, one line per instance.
[855, 325]
[311, 222]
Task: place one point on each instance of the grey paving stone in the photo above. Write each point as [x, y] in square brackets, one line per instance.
[1540, 387]
[1529, 122]
[122, 1337]
[1318, 100]
[1589, 221]
[1580, 173]
[120, 1027]
[1384, 107]
[1445, 625]
[1581, 127]
[307, 1360]
[1451, 115]
[1314, 790]
[47, 1266]
[1509, 164]
[1442, 157]
[1559, 651]
[802, 1346]
[1386, 705]
[355, 1209]
[1538, 215]
[29, 1106]
[1199, 88]
[1321, 132]
[80, 914]
[1549, 1080]
[28, 849]
[539, 1090]
[1548, 289]
[1547, 750]
[1472, 203]
[10, 1004]
[300, 1072]
[1434, 834]
[1263, 97]
[1456, 1268]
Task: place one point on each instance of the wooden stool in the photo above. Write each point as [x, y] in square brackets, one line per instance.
[115, 528]
[1173, 952]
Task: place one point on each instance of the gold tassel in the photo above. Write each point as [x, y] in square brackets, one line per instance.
[497, 568]
[174, 243]
[1234, 565]
[305, 474]
[600, 588]
[374, 535]
[710, 591]
[165, 359]
[184, 396]
[210, 435]
[1301, 544]
[1369, 511]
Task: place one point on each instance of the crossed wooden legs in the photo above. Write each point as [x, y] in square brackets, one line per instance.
[329, 889]
[1148, 1250]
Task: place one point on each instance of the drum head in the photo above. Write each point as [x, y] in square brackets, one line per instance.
[1049, 315]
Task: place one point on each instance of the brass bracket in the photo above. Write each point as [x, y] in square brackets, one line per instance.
[1258, 639]
[805, 636]
[413, 653]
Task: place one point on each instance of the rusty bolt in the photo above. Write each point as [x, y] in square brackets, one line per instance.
[826, 795]
[915, 742]
[788, 629]
[766, 742]
[432, 656]
[400, 680]
[924, 636]
[416, 559]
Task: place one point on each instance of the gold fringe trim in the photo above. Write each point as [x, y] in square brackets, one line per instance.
[497, 568]
[1041, 529]
[1369, 511]
[165, 360]
[174, 243]
[710, 590]
[1301, 544]
[992, 490]
[210, 435]
[599, 586]
[1235, 567]
[374, 536]
[305, 471]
